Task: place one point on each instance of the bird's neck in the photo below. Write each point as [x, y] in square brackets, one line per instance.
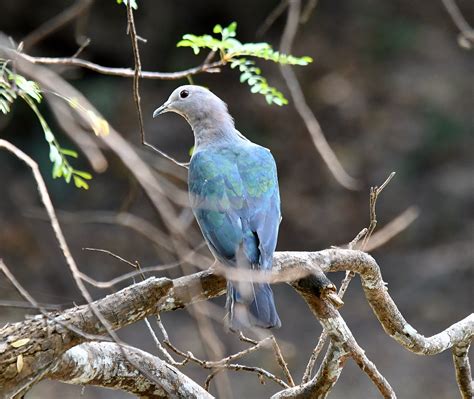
[208, 131]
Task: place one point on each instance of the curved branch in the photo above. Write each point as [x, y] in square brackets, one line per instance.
[382, 304]
[103, 364]
[124, 72]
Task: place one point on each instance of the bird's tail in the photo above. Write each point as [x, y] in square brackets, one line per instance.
[251, 305]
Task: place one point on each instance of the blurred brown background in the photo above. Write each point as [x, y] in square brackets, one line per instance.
[392, 90]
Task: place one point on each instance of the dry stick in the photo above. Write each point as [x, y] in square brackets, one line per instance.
[312, 124]
[76, 274]
[374, 193]
[54, 24]
[282, 362]
[224, 363]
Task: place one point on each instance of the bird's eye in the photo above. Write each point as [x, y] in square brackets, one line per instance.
[184, 93]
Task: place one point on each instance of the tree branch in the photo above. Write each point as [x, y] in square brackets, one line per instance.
[159, 294]
[212, 67]
[103, 364]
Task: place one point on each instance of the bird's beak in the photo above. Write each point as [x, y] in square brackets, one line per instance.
[161, 110]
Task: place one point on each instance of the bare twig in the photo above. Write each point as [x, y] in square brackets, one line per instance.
[312, 124]
[224, 363]
[281, 361]
[113, 255]
[212, 67]
[373, 196]
[136, 85]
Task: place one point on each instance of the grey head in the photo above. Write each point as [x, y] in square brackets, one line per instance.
[204, 111]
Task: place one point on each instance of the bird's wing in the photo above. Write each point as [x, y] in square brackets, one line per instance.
[234, 195]
[216, 194]
[258, 172]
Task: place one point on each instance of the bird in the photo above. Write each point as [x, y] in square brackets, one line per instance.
[234, 195]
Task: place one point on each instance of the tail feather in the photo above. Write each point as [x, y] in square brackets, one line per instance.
[256, 310]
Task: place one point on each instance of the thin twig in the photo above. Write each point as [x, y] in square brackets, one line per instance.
[113, 255]
[281, 361]
[136, 85]
[312, 124]
[213, 67]
[224, 363]
[373, 196]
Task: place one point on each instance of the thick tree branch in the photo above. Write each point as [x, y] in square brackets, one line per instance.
[143, 299]
[103, 364]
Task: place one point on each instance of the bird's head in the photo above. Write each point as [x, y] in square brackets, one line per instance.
[199, 106]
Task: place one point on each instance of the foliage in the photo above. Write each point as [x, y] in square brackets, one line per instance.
[234, 52]
[12, 86]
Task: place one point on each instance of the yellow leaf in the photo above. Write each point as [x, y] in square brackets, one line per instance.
[20, 342]
[98, 124]
[19, 363]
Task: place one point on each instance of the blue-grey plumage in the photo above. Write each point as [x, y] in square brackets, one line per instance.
[234, 195]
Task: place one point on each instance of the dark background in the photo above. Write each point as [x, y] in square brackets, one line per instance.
[392, 90]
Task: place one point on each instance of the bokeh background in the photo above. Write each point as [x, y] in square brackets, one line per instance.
[392, 90]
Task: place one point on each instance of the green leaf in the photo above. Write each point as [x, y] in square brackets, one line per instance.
[245, 76]
[80, 183]
[69, 153]
[82, 174]
[235, 53]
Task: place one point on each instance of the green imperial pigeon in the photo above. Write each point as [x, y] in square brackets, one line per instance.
[233, 188]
